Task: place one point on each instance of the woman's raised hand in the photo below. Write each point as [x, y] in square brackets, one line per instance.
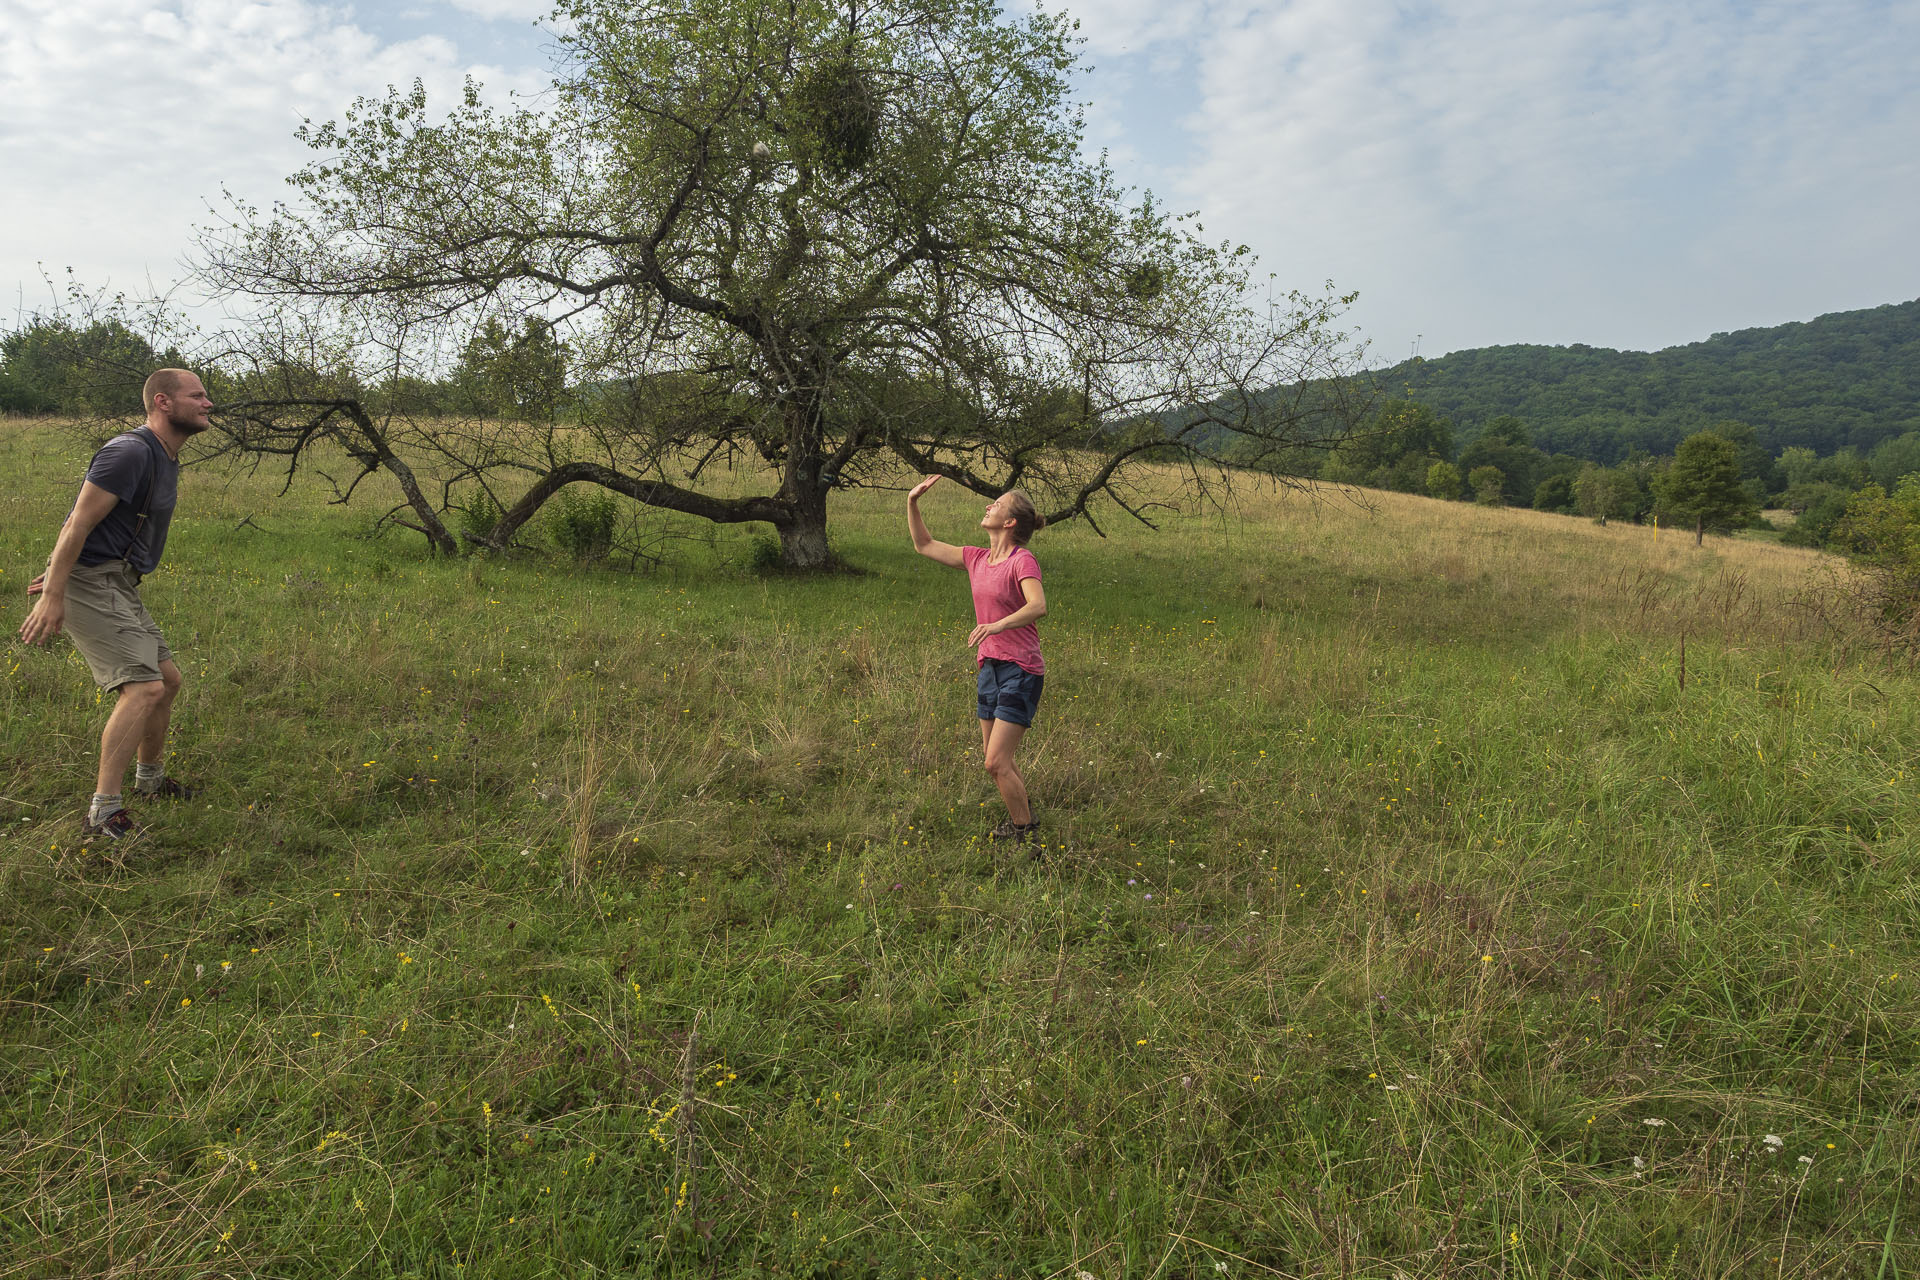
[922, 487]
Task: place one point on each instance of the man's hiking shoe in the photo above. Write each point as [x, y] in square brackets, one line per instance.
[1025, 834]
[117, 825]
[167, 790]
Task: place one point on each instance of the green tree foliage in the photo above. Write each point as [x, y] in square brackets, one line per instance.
[1703, 488]
[512, 375]
[1893, 460]
[811, 235]
[1393, 448]
[1443, 481]
[1508, 430]
[1506, 444]
[1613, 493]
[1796, 464]
[18, 397]
[1555, 493]
[1880, 533]
[1488, 485]
[53, 364]
[1758, 471]
[1850, 378]
[1817, 509]
[1845, 468]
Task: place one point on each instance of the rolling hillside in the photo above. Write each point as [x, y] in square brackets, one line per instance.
[1849, 378]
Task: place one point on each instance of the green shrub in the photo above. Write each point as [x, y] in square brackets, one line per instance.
[763, 554]
[583, 527]
[1486, 483]
[1880, 533]
[479, 516]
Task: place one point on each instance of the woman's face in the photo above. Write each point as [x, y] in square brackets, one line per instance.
[999, 513]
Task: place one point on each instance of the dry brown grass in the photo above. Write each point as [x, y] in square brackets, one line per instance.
[1509, 564]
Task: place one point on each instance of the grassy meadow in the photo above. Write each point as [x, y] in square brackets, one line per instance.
[1408, 909]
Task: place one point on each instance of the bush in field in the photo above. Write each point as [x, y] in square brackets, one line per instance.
[1443, 481]
[1817, 509]
[1487, 483]
[478, 516]
[1880, 533]
[583, 526]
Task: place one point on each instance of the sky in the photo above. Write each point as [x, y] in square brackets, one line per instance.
[1621, 173]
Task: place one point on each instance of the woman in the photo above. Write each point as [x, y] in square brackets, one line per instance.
[1007, 602]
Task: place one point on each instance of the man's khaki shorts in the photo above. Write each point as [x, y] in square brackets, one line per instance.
[111, 628]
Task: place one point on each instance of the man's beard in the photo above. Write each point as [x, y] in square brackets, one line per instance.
[187, 426]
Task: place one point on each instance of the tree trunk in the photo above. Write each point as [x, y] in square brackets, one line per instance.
[1699, 531]
[803, 539]
[430, 522]
[374, 446]
[803, 487]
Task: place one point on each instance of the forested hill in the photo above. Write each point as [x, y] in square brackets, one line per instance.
[1850, 378]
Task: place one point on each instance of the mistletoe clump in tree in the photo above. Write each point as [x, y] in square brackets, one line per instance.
[825, 241]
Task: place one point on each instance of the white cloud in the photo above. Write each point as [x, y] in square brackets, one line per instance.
[1621, 172]
[1627, 172]
[1126, 26]
[125, 119]
[505, 10]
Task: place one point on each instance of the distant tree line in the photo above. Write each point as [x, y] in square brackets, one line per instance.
[55, 365]
[1714, 480]
[93, 368]
[1864, 503]
[1846, 380]
[1411, 443]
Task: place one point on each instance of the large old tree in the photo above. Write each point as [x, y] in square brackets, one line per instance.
[820, 239]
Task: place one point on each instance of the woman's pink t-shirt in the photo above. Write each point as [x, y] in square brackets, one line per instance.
[996, 593]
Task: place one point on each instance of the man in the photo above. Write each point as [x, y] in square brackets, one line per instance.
[114, 537]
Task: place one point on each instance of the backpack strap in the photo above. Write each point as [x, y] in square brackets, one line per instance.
[146, 492]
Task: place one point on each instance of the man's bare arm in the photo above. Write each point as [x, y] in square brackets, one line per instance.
[49, 612]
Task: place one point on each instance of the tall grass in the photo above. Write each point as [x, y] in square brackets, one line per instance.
[1402, 912]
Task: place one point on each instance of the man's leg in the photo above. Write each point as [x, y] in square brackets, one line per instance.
[126, 730]
[153, 743]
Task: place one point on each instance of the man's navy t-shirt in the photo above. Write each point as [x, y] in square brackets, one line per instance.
[124, 467]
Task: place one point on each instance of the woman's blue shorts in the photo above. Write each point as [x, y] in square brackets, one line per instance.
[1008, 691]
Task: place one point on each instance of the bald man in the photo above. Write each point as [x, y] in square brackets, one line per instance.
[91, 590]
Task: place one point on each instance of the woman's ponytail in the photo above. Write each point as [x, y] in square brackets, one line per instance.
[1026, 520]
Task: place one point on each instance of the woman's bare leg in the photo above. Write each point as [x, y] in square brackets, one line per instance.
[1000, 738]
